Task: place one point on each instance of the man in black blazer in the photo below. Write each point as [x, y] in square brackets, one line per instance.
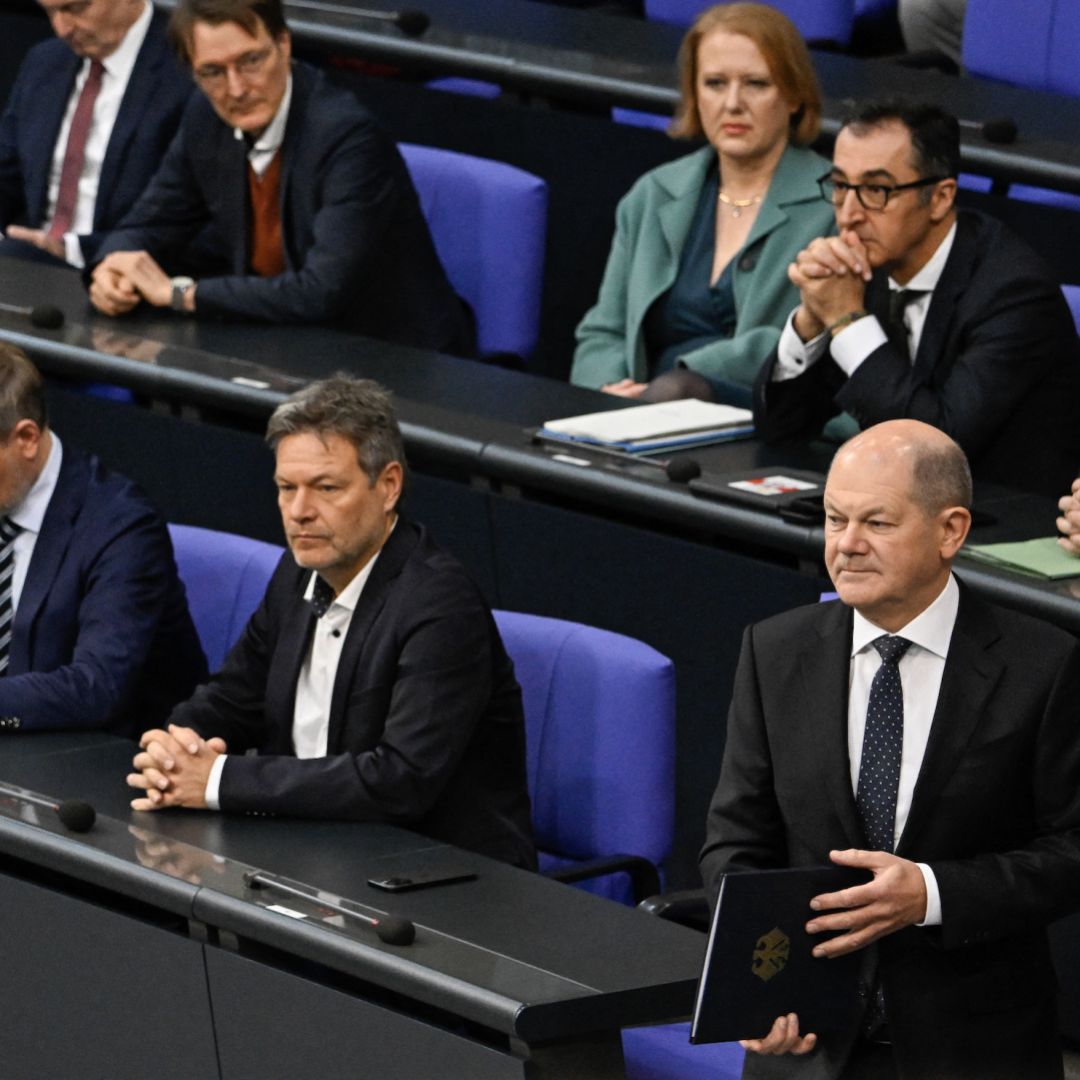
[135, 116]
[371, 680]
[280, 200]
[98, 634]
[919, 310]
[982, 806]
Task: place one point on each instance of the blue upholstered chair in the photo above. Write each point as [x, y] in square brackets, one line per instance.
[665, 1053]
[225, 577]
[600, 722]
[1072, 298]
[489, 223]
[817, 20]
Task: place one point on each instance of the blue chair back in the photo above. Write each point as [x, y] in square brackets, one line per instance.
[1072, 298]
[489, 223]
[817, 20]
[600, 724]
[225, 577]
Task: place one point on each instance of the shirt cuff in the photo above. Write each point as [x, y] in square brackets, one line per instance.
[793, 355]
[856, 342]
[73, 251]
[213, 783]
[933, 897]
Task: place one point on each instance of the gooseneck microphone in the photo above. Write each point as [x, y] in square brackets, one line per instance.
[74, 814]
[45, 316]
[998, 129]
[683, 470]
[409, 22]
[388, 928]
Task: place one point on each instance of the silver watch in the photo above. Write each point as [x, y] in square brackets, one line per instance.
[180, 286]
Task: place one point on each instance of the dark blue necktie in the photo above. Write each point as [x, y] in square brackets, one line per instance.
[883, 743]
[322, 596]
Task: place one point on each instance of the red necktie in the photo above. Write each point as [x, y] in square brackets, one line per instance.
[74, 152]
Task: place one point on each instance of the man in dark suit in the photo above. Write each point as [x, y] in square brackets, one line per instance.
[94, 628]
[133, 107]
[919, 310]
[280, 199]
[912, 714]
[371, 680]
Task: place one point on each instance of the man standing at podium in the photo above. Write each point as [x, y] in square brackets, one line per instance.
[915, 731]
[371, 683]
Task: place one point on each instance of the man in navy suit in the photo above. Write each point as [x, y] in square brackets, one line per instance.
[94, 627]
[371, 683]
[280, 200]
[917, 309]
[135, 113]
[917, 732]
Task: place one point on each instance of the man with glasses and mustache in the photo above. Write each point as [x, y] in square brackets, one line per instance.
[280, 199]
[921, 310]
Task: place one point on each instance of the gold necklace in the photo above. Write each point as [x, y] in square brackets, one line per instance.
[737, 205]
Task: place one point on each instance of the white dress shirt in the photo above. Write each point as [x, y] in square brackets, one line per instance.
[118, 67]
[269, 142]
[921, 671]
[852, 345]
[29, 514]
[315, 686]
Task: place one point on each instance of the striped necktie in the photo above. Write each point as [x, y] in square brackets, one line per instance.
[8, 531]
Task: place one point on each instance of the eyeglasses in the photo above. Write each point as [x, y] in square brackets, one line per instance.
[870, 196]
[248, 66]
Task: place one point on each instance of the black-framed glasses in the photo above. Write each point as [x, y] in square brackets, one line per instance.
[870, 196]
[248, 67]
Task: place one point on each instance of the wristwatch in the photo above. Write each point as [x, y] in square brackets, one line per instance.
[180, 286]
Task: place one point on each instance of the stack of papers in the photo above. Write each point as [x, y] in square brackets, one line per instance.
[1044, 557]
[666, 425]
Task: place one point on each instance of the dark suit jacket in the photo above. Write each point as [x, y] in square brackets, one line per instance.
[998, 367]
[145, 125]
[426, 723]
[995, 813]
[102, 636]
[357, 247]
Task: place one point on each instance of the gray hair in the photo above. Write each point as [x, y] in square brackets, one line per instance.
[940, 476]
[359, 410]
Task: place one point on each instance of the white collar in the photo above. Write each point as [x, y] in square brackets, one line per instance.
[927, 278]
[30, 513]
[121, 61]
[931, 629]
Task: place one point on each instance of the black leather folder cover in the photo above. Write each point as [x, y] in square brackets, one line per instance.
[758, 964]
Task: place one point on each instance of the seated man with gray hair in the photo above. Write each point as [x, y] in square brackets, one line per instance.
[371, 680]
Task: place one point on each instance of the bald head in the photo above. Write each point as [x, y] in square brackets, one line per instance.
[896, 506]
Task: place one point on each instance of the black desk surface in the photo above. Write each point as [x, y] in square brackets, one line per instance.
[463, 414]
[511, 950]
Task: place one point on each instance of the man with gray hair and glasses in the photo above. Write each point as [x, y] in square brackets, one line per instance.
[371, 683]
[920, 310]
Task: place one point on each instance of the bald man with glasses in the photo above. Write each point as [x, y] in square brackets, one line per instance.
[280, 200]
[919, 310]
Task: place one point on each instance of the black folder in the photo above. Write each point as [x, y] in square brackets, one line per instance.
[758, 964]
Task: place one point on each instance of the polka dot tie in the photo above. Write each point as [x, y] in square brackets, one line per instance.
[322, 596]
[883, 742]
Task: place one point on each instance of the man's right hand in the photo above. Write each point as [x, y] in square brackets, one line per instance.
[784, 1038]
[831, 275]
[1069, 522]
[111, 290]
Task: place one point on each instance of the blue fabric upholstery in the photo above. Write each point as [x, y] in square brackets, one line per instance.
[637, 118]
[1072, 298]
[817, 20]
[489, 223]
[225, 577]
[600, 730]
[454, 84]
[665, 1053]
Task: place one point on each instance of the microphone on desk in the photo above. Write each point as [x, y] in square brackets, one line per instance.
[44, 316]
[74, 814]
[410, 22]
[388, 928]
[998, 129]
[683, 470]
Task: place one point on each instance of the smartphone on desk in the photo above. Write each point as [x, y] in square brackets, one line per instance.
[405, 881]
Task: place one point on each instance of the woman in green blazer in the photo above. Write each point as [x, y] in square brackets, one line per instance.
[696, 281]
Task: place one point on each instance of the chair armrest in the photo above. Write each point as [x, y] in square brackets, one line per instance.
[644, 877]
[689, 907]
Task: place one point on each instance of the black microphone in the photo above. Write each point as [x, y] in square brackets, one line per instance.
[389, 928]
[998, 129]
[74, 814]
[409, 22]
[683, 470]
[44, 315]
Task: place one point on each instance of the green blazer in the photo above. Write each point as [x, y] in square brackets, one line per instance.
[651, 227]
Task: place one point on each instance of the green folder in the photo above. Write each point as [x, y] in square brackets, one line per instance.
[1043, 558]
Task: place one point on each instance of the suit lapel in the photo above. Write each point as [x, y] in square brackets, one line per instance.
[57, 529]
[290, 151]
[951, 284]
[52, 103]
[825, 663]
[297, 626]
[394, 554]
[972, 672]
[231, 165]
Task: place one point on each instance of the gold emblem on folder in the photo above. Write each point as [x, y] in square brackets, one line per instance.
[771, 954]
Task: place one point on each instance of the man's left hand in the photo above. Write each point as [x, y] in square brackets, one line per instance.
[38, 238]
[894, 899]
[142, 270]
[173, 768]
